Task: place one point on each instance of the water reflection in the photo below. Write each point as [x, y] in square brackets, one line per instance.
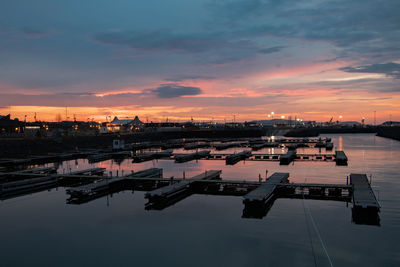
[210, 226]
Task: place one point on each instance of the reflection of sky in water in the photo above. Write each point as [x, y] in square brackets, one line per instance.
[40, 229]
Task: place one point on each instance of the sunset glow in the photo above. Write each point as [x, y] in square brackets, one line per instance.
[180, 68]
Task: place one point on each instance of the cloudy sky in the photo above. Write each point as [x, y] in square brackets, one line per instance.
[206, 59]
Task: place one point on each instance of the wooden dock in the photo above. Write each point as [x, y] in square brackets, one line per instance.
[25, 185]
[52, 169]
[150, 156]
[224, 146]
[363, 195]
[91, 171]
[366, 207]
[287, 158]
[341, 158]
[265, 192]
[235, 158]
[163, 196]
[108, 183]
[180, 158]
[196, 146]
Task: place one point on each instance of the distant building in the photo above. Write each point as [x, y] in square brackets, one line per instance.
[350, 123]
[390, 123]
[9, 126]
[122, 126]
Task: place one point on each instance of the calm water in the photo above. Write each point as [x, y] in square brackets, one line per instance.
[42, 230]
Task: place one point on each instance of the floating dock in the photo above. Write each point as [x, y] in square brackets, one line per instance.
[11, 188]
[235, 158]
[287, 158]
[180, 158]
[265, 192]
[150, 156]
[44, 170]
[227, 145]
[196, 146]
[340, 158]
[365, 205]
[329, 146]
[363, 195]
[91, 171]
[163, 196]
[108, 183]
[258, 146]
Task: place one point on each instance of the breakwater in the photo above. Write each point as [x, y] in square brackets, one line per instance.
[312, 132]
[389, 132]
[26, 146]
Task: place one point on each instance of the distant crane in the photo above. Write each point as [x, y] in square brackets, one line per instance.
[330, 121]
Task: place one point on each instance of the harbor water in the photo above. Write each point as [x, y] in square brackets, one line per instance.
[40, 229]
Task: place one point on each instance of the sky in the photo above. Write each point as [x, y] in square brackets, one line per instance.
[210, 60]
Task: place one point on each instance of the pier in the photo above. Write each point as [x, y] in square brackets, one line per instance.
[365, 205]
[91, 171]
[196, 146]
[363, 195]
[260, 196]
[27, 185]
[235, 158]
[27, 181]
[109, 183]
[168, 195]
[341, 158]
[223, 146]
[43, 170]
[150, 156]
[188, 157]
[287, 158]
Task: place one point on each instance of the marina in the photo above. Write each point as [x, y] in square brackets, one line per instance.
[109, 185]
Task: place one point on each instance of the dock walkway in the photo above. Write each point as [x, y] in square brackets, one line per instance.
[363, 195]
[341, 158]
[107, 183]
[265, 192]
[167, 192]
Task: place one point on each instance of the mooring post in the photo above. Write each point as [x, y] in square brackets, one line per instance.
[347, 180]
[117, 173]
[184, 175]
[259, 177]
[266, 174]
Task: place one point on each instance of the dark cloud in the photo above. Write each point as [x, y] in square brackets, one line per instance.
[180, 78]
[173, 90]
[363, 99]
[207, 47]
[33, 33]
[390, 69]
[357, 27]
[165, 40]
[271, 50]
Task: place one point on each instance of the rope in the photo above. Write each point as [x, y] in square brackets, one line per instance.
[317, 232]
[309, 233]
